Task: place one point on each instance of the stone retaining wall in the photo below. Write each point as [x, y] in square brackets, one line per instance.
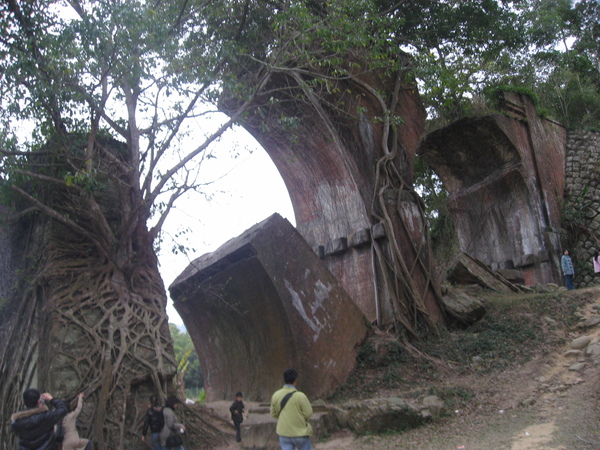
[582, 201]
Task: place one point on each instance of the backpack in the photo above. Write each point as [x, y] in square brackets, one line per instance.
[157, 420]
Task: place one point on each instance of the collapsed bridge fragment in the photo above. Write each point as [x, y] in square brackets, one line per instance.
[261, 303]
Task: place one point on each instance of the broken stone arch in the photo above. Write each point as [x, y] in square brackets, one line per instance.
[331, 179]
[505, 175]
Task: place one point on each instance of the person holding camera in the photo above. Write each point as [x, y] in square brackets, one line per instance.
[35, 425]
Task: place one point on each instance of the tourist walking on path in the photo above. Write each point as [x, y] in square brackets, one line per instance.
[292, 410]
[566, 264]
[237, 415]
[35, 425]
[171, 425]
[155, 420]
[72, 441]
[596, 262]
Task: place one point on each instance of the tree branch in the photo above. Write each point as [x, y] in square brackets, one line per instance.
[101, 247]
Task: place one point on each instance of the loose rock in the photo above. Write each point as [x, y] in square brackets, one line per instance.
[581, 342]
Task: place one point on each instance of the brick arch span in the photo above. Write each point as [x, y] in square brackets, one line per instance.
[328, 162]
[349, 178]
[505, 174]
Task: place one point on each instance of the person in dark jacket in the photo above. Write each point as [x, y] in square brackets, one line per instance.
[155, 420]
[237, 415]
[35, 425]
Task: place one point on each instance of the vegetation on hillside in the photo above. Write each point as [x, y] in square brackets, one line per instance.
[188, 361]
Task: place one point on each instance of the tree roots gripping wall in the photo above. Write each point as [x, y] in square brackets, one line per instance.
[90, 316]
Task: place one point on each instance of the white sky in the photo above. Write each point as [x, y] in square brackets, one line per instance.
[249, 189]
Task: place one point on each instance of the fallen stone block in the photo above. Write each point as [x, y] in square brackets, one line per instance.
[468, 270]
[382, 415]
[462, 307]
[264, 302]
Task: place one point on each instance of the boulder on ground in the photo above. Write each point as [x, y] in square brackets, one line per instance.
[433, 407]
[580, 342]
[463, 308]
[380, 415]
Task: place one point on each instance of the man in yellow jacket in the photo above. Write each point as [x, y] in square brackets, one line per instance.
[292, 409]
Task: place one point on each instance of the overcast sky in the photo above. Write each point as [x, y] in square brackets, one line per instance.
[248, 189]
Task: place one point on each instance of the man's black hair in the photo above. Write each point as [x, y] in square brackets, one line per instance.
[154, 401]
[31, 397]
[238, 394]
[289, 376]
[172, 401]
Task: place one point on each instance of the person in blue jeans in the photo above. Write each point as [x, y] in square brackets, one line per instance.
[155, 420]
[566, 264]
[292, 410]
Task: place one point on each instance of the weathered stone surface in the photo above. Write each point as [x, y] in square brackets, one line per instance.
[337, 245]
[381, 415]
[580, 342]
[582, 187]
[468, 270]
[512, 275]
[264, 302]
[330, 174]
[464, 308]
[505, 175]
[360, 237]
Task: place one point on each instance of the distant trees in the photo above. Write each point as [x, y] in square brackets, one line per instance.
[185, 352]
[566, 36]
